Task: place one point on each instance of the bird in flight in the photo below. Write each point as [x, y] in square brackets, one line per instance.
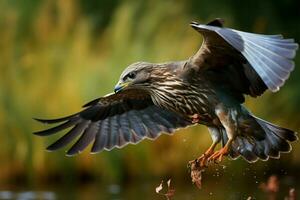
[209, 88]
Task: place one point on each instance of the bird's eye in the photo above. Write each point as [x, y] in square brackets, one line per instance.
[131, 75]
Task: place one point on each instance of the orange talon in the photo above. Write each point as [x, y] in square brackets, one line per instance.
[218, 155]
[203, 160]
[204, 157]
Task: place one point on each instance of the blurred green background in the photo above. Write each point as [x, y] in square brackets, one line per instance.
[57, 55]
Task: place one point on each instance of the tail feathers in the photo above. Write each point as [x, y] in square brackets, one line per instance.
[276, 141]
[283, 133]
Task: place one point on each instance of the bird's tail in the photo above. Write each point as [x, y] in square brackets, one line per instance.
[261, 140]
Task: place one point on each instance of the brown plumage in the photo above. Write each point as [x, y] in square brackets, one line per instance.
[208, 88]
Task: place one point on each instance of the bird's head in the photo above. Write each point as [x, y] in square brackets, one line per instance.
[136, 75]
[149, 76]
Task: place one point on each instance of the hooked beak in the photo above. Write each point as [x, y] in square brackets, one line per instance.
[120, 86]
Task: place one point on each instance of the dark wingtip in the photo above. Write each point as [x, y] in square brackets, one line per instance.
[41, 120]
[290, 135]
[55, 146]
[96, 149]
[49, 149]
[71, 153]
[38, 133]
[218, 22]
[296, 138]
[44, 132]
[96, 152]
[53, 121]
[56, 129]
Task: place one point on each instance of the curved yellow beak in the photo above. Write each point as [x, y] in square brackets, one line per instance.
[120, 86]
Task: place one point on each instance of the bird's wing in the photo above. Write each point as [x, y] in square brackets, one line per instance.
[258, 61]
[113, 121]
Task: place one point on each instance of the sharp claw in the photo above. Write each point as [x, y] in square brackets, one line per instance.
[202, 160]
[211, 158]
[205, 158]
[201, 157]
[203, 163]
[217, 157]
[221, 158]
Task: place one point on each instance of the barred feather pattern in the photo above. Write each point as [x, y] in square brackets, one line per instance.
[170, 92]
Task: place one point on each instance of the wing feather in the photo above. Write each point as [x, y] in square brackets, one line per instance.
[136, 124]
[125, 127]
[58, 128]
[269, 55]
[114, 121]
[114, 133]
[67, 138]
[85, 139]
[101, 137]
[151, 125]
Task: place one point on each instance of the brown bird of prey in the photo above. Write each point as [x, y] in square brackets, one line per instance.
[209, 88]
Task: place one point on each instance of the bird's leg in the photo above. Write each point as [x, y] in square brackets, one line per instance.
[227, 117]
[204, 157]
[216, 137]
[198, 165]
[218, 155]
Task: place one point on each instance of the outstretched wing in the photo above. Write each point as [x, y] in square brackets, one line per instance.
[113, 121]
[250, 63]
